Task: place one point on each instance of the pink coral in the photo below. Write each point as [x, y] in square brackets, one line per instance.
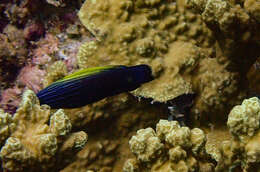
[34, 31]
[46, 46]
[68, 53]
[10, 99]
[31, 77]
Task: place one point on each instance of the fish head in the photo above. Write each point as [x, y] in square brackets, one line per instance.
[139, 74]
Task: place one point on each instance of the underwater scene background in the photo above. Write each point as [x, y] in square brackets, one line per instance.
[130, 85]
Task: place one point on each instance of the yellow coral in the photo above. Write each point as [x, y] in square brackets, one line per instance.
[131, 165]
[220, 13]
[32, 140]
[243, 120]
[244, 148]
[55, 72]
[130, 33]
[146, 145]
[253, 7]
[185, 147]
[6, 125]
[60, 123]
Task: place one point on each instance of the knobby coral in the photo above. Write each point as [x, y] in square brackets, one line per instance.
[169, 37]
[236, 28]
[170, 148]
[32, 144]
[175, 148]
[243, 151]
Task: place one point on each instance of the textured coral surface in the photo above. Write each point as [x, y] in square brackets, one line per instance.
[33, 144]
[171, 38]
[175, 148]
[170, 148]
[209, 48]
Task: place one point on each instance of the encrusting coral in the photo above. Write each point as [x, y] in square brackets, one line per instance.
[55, 72]
[110, 123]
[236, 27]
[32, 143]
[128, 33]
[6, 125]
[172, 40]
[176, 148]
[13, 53]
[170, 148]
[243, 151]
[221, 13]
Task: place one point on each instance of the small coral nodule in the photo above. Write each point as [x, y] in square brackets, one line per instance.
[170, 148]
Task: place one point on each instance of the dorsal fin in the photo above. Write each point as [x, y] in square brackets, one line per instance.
[87, 72]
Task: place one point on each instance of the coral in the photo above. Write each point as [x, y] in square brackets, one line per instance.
[235, 27]
[47, 46]
[31, 77]
[207, 52]
[55, 72]
[10, 99]
[253, 8]
[33, 31]
[13, 53]
[169, 37]
[35, 145]
[131, 165]
[242, 151]
[254, 77]
[243, 120]
[141, 37]
[57, 3]
[19, 12]
[60, 124]
[187, 149]
[145, 145]
[180, 149]
[110, 123]
[221, 13]
[97, 156]
[52, 48]
[216, 87]
[68, 53]
[6, 126]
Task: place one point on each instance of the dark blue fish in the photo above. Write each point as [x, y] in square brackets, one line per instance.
[93, 84]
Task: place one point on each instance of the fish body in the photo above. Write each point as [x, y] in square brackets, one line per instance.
[93, 84]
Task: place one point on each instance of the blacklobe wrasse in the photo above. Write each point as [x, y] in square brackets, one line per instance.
[93, 84]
